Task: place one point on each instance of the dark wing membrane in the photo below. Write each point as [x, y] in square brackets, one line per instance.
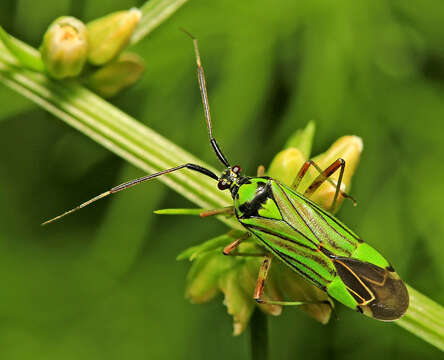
[380, 293]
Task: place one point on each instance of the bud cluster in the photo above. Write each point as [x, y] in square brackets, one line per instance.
[93, 51]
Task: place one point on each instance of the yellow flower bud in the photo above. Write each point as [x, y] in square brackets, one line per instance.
[64, 47]
[117, 75]
[286, 165]
[110, 34]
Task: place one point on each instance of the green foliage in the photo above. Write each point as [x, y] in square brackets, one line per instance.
[24, 54]
[105, 283]
[302, 139]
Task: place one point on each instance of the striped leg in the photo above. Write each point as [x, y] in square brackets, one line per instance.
[324, 175]
[228, 250]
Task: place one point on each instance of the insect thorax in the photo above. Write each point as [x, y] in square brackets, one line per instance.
[254, 197]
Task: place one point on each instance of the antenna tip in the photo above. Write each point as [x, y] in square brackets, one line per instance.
[187, 32]
[51, 220]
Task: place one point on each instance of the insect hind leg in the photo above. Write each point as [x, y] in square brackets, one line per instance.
[230, 249]
[260, 285]
[324, 175]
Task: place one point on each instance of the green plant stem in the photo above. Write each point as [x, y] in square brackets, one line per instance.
[259, 335]
[154, 12]
[425, 318]
[149, 151]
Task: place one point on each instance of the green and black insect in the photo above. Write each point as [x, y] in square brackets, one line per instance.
[299, 233]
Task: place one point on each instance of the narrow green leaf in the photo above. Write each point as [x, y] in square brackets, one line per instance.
[154, 12]
[302, 139]
[29, 57]
[209, 245]
[195, 212]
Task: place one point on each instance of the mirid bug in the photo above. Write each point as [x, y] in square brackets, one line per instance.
[292, 228]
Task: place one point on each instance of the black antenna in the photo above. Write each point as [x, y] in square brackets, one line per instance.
[134, 182]
[203, 92]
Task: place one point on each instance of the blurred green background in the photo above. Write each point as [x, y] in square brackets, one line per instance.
[104, 283]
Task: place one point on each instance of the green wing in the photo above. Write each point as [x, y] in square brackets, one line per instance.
[325, 251]
[286, 235]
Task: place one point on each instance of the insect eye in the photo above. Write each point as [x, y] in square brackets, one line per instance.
[223, 184]
[236, 169]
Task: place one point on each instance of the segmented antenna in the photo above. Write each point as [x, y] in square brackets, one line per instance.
[205, 103]
[134, 182]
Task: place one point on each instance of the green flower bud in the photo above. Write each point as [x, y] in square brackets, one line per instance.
[64, 47]
[110, 34]
[203, 277]
[235, 277]
[287, 163]
[117, 75]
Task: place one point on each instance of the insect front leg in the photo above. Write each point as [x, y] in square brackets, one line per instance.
[260, 285]
[222, 211]
[324, 175]
[229, 249]
[260, 170]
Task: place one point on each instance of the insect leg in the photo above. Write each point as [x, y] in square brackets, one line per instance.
[260, 285]
[303, 170]
[229, 249]
[226, 210]
[260, 170]
[134, 182]
[324, 175]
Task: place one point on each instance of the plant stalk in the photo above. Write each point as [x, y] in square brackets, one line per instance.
[424, 318]
[259, 335]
